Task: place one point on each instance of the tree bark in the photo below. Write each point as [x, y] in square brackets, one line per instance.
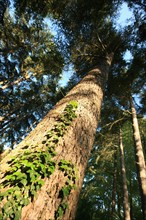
[140, 160]
[114, 190]
[131, 201]
[124, 180]
[74, 146]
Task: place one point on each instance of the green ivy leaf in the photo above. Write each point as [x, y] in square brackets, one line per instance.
[60, 212]
[25, 201]
[24, 182]
[40, 182]
[64, 205]
[10, 177]
[66, 191]
[17, 215]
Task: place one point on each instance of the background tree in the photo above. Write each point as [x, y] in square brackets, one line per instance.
[31, 66]
[126, 205]
[140, 160]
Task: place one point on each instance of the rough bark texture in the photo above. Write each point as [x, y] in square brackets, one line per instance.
[124, 180]
[140, 160]
[75, 146]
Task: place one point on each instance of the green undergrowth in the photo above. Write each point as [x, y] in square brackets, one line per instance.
[26, 175]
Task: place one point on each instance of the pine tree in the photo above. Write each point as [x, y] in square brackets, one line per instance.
[124, 180]
[31, 66]
[140, 160]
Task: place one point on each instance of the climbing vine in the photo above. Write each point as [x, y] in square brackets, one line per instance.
[69, 171]
[21, 182]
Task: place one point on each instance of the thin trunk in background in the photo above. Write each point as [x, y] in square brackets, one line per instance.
[124, 180]
[140, 160]
[114, 190]
[119, 205]
[131, 201]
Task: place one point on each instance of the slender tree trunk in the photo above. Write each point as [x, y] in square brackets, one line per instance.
[73, 148]
[119, 205]
[131, 201]
[114, 191]
[125, 189]
[140, 160]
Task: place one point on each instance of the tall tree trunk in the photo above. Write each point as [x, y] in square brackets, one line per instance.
[57, 198]
[119, 205]
[114, 190]
[140, 160]
[131, 201]
[125, 189]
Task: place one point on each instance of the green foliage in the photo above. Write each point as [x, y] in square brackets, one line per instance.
[30, 68]
[61, 210]
[22, 182]
[69, 171]
[25, 178]
[66, 166]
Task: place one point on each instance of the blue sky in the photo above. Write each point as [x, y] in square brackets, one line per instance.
[125, 16]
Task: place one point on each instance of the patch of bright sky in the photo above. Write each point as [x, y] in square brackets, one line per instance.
[51, 25]
[125, 18]
[66, 75]
[12, 11]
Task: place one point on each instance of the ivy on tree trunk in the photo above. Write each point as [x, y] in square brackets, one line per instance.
[72, 149]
